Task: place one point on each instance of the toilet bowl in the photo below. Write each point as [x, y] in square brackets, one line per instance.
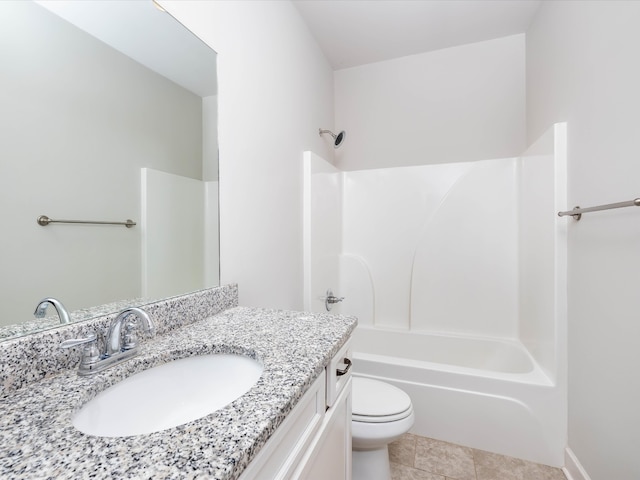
[381, 413]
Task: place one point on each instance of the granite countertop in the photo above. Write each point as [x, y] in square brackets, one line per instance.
[39, 441]
[32, 325]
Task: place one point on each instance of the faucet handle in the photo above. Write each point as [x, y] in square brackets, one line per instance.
[90, 352]
[330, 300]
[130, 339]
[74, 342]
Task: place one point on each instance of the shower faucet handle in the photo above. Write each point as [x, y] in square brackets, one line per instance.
[330, 300]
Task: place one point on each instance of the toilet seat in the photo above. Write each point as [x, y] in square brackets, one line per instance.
[382, 419]
[378, 402]
[381, 413]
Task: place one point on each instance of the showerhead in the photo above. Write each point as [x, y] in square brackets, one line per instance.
[337, 139]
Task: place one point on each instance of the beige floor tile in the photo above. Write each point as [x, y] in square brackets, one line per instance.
[437, 460]
[403, 450]
[446, 459]
[402, 472]
[491, 466]
[535, 471]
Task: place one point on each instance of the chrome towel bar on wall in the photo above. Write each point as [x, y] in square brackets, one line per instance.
[577, 212]
[44, 221]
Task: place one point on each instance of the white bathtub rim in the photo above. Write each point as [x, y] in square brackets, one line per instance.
[505, 398]
[535, 377]
[441, 333]
[537, 374]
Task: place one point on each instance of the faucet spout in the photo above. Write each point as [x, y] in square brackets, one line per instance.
[41, 309]
[114, 335]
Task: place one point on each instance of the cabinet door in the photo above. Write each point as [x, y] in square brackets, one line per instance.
[291, 441]
[330, 456]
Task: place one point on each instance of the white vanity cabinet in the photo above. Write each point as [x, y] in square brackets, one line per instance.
[314, 441]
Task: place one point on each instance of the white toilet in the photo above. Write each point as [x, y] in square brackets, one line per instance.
[381, 413]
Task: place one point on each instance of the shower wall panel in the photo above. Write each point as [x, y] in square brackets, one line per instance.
[384, 211]
[356, 285]
[542, 244]
[173, 234]
[211, 234]
[322, 231]
[465, 269]
[442, 235]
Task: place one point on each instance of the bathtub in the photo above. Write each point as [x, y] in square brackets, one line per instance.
[479, 392]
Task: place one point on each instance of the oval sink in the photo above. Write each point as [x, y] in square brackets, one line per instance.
[168, 395]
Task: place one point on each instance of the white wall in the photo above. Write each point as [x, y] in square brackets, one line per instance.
[582, 68]
[457, 104]
[275, 91]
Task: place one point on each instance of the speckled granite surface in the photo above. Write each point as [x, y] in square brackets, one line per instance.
[38, 441]
[36, 356]
[34, 325]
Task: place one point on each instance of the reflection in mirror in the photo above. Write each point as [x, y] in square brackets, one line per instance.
[89, 133]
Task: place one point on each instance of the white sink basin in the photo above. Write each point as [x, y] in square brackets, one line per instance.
[168, 395]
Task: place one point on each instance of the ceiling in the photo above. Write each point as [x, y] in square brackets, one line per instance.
[357, 32]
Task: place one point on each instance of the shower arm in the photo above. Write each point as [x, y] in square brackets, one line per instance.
[321, 132]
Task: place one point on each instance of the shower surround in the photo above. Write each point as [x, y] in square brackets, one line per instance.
[457, 275]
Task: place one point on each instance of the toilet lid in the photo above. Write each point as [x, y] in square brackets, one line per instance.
[376, 401]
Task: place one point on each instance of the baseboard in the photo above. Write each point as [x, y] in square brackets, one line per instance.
[573, 470]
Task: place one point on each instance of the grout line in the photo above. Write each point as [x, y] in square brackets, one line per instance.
[475, 467]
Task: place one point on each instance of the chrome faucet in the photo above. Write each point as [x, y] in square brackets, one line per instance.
[41, 309]
[120, 342]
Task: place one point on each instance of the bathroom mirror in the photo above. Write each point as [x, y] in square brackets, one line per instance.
[109, 113]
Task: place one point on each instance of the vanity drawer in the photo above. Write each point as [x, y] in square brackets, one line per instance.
[338, 373]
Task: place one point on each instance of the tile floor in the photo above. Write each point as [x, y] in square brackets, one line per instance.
[418, 458]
